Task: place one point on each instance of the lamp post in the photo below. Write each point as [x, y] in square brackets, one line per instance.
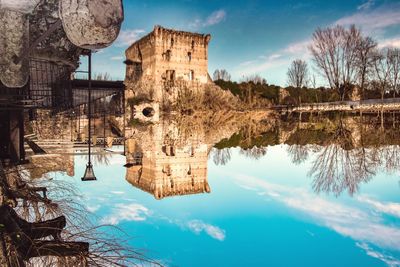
[89, 173]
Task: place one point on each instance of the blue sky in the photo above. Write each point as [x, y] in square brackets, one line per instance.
[253, 36]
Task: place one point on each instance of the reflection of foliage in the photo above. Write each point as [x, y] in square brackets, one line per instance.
[254, 152]
[308, 136]
[248, 141]
[298, 153]
[221, 156]
[100, 157]
[233, 141]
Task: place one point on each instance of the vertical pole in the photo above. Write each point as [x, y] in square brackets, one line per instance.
[104, 128]
[124, 116]
[79, 123]
[89, 100]
[21, 136]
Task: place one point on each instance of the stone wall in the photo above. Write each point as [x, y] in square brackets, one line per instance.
[53, 127]
[163, 57]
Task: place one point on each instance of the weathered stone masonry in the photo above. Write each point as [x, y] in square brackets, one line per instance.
[162, 58]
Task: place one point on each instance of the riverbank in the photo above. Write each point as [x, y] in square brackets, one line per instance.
[370, 105]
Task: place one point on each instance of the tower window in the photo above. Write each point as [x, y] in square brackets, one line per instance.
[191, 75]
[170, 75]
[189, 56]
[168, 55]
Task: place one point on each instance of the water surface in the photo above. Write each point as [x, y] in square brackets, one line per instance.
[319, 202]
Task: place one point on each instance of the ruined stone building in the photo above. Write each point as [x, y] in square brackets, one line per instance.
[161, 60]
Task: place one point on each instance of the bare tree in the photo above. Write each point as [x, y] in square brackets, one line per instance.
[382, 69]
[364, 61]
[255, 78]
[335, 53]
[102, 76]
[221, 74]
[216, 75]
[298, 73]
[54, 228]
[394, 66]
[313, 81]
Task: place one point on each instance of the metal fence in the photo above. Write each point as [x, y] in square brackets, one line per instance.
[52, 87]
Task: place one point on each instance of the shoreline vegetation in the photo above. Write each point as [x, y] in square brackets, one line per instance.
[354, 67]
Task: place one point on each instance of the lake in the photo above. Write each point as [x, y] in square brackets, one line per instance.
[319, 191]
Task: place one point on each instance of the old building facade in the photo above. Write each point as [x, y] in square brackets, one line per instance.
[162, 60]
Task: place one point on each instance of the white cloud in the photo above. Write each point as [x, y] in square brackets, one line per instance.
[298, 48]
[274, 60]
[214, 18]
[274, 56]
[389, 260]
[117, 192]
[366, 5]
[390, 43]
[117, 58]
[127, 212]
[135, 212]
[373, 21]
[351, 221]
[128, 37]
[390, 208]
[93, 209]
[198, 226]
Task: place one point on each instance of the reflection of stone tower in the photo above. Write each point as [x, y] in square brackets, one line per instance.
[164, 169]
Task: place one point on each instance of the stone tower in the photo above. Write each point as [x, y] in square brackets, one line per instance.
[161, 60]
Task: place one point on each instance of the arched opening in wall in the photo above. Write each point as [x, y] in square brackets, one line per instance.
[193, 45]
[172, 42]
[191, 75]
[189, 56]
[148, 112]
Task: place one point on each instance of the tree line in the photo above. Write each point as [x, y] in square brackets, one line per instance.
[348, 61]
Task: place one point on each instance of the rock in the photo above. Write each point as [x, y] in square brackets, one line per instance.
[91, 24]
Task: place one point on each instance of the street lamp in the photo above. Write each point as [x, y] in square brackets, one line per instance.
[89, 173]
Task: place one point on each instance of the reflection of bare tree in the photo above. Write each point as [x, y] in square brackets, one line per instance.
[336, 169]
[339, 166]
[391, 157]
[221, 156]
[254, 152]
[100, 157]
[298, 153]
